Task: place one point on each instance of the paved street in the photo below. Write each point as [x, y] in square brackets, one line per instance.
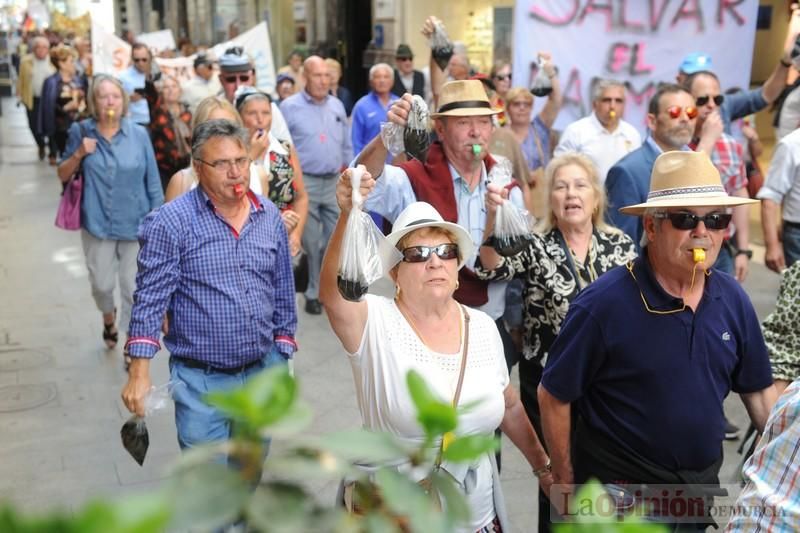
[60, 411]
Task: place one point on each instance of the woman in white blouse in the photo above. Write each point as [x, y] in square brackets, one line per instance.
[423, 328]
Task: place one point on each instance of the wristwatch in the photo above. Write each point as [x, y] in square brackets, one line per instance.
[546, 469]
[748, 253]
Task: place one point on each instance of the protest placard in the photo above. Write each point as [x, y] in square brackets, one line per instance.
[639, 42]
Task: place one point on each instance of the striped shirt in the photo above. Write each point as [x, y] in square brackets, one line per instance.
[770, 501]
[229, 296]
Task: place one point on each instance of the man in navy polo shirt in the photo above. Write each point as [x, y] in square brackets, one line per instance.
[648, 353]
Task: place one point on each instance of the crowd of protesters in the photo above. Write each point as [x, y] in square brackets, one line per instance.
[254, 182]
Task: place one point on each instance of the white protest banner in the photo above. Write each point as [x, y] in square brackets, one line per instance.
[180, 68]
[110, 54]
[257, 45]
[639, 42]
[157, 41]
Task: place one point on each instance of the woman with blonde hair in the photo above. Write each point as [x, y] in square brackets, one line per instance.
[211, 108]
[572, 246]
[120, 186]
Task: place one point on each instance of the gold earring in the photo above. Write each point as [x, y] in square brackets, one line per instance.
[397, 292]
[457, 284]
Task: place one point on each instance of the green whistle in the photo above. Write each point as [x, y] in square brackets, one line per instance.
[476, 149]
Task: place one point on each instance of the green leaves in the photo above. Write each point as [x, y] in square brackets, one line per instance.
[436, 416]
[470, 447]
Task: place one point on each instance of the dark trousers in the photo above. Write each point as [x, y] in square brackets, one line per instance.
[33, 113]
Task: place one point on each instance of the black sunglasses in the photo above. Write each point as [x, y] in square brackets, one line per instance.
[232, 79]
[141, 59]
[503, 77]
[703, 100]
[684, 221]
[420, 254]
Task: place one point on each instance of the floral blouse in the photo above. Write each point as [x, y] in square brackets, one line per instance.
[553, 278]
[172, 152]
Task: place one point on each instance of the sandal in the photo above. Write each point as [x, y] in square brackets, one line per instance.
[110, 333]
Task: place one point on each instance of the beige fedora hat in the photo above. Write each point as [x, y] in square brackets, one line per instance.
[464, 99]
[685, 179]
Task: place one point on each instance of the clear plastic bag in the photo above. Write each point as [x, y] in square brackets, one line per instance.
[441, 46]
[135, 437]
[359, 262]
[513, 226]
[542, 85]
[414, 139]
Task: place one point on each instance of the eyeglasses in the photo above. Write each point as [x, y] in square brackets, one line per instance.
[141, 59]
[674, 111]
[686, 221]
[520, 103]
[232, 79]
[503, 77]
[226, 165]
[420, 254]
[703, 100]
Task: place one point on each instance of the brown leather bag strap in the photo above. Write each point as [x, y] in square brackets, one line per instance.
[461, 372]
[457, 395]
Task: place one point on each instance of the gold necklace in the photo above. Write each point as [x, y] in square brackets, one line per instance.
[419, 335]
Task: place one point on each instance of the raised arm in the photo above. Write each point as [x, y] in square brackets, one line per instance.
[348, 319]
[437, 74]
[550, 110]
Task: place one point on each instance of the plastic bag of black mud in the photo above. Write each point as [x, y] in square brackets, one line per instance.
[134, 434]
[513, 226]
[441, 46]
[414, 138]
[359, 262]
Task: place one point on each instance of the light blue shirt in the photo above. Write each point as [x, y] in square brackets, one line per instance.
[320, 132]
[393, 193]
[132, 79]
[121, 181]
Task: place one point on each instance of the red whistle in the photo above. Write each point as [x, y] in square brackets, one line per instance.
[238, 188]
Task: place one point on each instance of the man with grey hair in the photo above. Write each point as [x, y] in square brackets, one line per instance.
[216, 262]
[370, 110]
[318, 123]
[602, 136]
[33, 70]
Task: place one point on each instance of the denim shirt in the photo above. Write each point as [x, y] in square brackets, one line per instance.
[121, 181]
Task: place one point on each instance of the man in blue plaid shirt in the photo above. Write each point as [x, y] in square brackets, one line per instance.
[216, 261]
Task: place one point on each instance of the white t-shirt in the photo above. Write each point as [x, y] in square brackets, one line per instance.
[390, 348]
[782, 185]
[589, 137]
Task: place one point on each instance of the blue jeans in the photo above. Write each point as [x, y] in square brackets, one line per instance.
[791, 243]
[322, 214]
[197, 422]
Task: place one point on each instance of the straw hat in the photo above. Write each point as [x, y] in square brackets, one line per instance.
[464, 99]
[685, 179]
[417, 216]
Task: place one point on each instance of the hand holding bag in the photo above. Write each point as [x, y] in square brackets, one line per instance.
[68, 216]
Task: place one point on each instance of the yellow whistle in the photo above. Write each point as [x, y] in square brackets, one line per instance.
[699, 255]
[448, 439]
[110, 113]
[612, 114]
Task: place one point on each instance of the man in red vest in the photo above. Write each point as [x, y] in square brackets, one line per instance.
[452, 178]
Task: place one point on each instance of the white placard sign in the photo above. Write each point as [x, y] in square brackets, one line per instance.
[110, 54]
[258, 46]
[158, 41]
[636, 41]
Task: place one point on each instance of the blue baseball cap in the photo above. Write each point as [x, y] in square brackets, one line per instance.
[695, 62]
